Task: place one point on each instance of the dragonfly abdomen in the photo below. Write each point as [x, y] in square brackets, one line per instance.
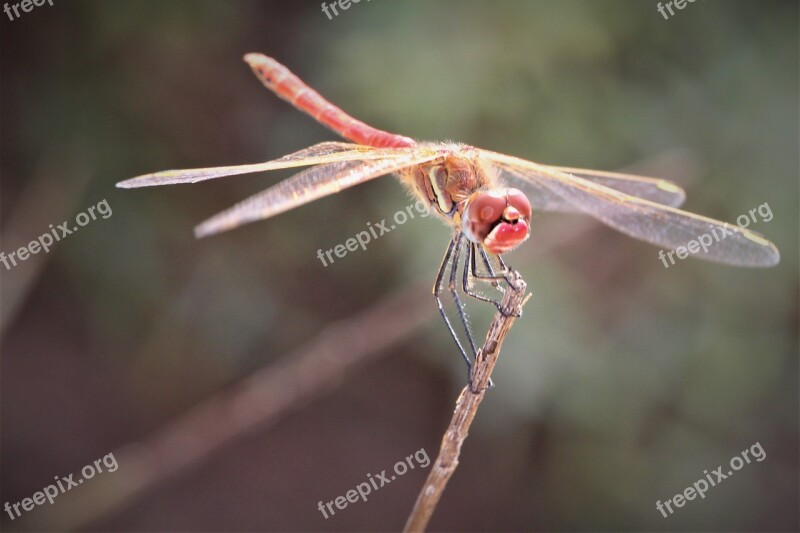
[289, 87]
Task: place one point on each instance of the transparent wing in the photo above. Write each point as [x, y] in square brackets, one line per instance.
[327, 152]
[665, 226]
[654, 189]
[305, 187]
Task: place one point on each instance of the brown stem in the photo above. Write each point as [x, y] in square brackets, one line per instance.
[466, 407]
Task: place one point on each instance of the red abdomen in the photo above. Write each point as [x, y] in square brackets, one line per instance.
[282, 82]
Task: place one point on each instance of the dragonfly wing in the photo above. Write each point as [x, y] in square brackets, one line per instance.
[305, 187]
[656, 190]
[662, 225]
[327, 152]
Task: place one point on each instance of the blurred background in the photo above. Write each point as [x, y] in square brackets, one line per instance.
[238, 381]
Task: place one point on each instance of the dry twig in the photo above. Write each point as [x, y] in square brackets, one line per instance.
[466, 407]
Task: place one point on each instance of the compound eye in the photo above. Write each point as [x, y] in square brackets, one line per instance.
[498, 219]
[482, 214]
[517, 199]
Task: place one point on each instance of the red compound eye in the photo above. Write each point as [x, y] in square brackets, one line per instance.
[498, 219]
[517, 198]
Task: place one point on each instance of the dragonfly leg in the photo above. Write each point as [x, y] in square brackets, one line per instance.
[492, 277]
[488, 264]
[453, 286]
[459, 305]
[509, 274]
[437, 295]
[507, 270]
[452, 260]
[470, 274]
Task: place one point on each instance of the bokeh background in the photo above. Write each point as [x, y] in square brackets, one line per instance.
[622, 382]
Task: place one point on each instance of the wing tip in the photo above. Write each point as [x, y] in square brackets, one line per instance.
[200, 232]
[205, 229]
[212, 226]
[775, 257]
[769, 257]
[678, 193]
[764, 255]
[137, 182]
[145, 180]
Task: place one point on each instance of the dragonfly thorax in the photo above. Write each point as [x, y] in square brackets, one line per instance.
[447, 183]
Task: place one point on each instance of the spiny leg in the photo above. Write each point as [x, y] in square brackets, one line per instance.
[473, 274]
[470, 256]
[488, 264]
[492, 277]
[437, 291]
[453, 286]
[504, 266]
[506, 269]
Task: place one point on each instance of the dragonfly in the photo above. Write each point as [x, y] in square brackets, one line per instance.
[487, 198]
